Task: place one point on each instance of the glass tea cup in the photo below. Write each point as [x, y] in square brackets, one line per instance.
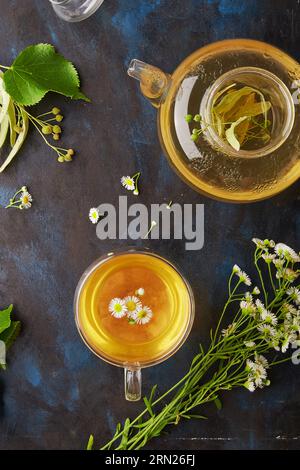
[75, 10]
[160, 324]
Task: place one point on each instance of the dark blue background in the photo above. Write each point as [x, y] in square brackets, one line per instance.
[55, 392]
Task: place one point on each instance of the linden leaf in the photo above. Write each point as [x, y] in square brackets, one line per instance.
[5, 318]
[37, 70]
[230, 135]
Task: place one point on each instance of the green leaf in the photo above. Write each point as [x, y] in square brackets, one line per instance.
[11, 333]
[37, 70]
[90, 443]
[5, 318]
[148, 406]
[124, 440]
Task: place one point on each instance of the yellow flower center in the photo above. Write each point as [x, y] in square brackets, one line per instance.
[131, 305]
[25, 200]
[142, 314]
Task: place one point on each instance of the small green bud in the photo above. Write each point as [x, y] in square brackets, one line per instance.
[55, 136]
[188, 118]
[61, 159]
[197, 118]
[47, 130]
[56, 129]
[136, 192]
[59, 117]
[195, 131]
[194, 137]
[55, 111]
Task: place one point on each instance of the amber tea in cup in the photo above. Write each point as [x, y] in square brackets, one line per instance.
[133, 309]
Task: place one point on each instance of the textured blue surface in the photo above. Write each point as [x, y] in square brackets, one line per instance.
[55, 393]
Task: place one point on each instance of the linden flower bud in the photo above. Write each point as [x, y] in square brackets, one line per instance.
[68, 157]
[61, 159]
[71, 152]
[59, 117]
[47, 130]
[55, 111]
[55, 136]
[57, 129]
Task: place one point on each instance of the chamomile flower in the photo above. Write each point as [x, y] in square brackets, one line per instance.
[284, 251]
[266, 329]
[269, 317]
[242, 275]
[259, 243]
[256, 291]
[268, 257]
[143, 315]
[294, 293]
[128, 183]
[249, 385]
[229, 330]
[287, 274]
[236, 269]
[94, 215]
[260, 306]
[132, 304]
[117, 307]
[261, 360]
[25, 199]
[278, 262]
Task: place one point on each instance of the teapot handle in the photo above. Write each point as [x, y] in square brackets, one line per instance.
[154, 82]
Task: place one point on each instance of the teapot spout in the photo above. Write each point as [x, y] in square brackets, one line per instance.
[154, 82]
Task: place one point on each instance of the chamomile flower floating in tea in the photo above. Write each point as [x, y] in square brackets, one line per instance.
[132, 304]
[132, 307]
[22, 199]
[117, 308]
[143, 315]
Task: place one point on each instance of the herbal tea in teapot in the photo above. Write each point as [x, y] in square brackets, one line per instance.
[227, 119]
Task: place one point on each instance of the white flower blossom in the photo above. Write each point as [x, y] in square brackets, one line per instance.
[132, 304]
[94, 215]
[128, 183]
[256, 291]
[294, 293]
[26, 200]
[117, 307]
[143, 315]
[229, 330]
[284, 251]
[249, 344]
[269, 317]
[266, 329]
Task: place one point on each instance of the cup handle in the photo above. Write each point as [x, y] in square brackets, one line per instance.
[133, 383]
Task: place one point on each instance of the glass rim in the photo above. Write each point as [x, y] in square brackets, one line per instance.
[216, 140]
[119, 252]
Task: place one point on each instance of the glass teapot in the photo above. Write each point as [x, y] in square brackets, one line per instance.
[210, 165]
